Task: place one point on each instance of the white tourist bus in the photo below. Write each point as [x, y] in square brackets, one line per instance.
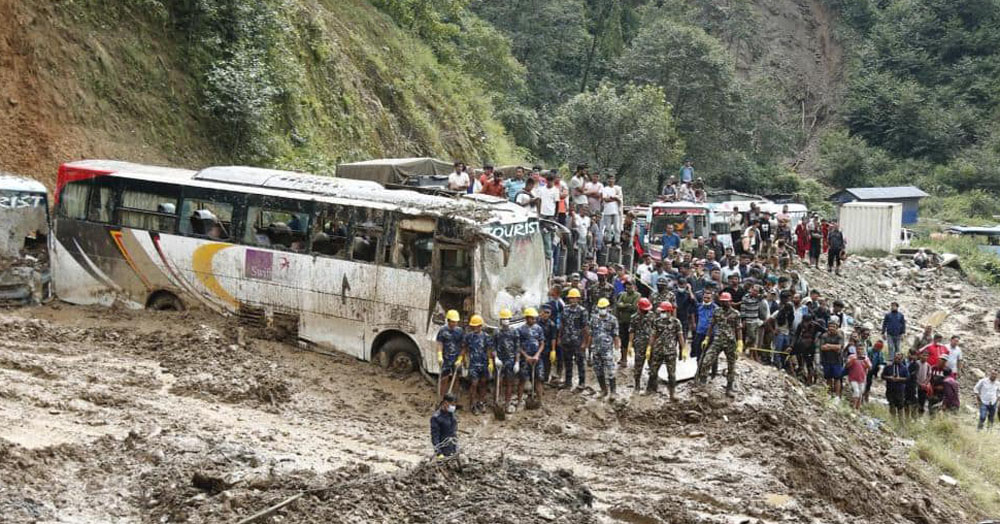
[337, 264]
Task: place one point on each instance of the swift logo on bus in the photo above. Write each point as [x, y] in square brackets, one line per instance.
[513, 230]
[258, 264]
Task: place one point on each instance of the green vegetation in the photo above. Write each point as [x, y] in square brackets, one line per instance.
[979, 265]
[950, 445]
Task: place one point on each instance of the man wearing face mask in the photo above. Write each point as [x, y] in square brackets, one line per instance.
[667, 339]
[603, 342]
[444, 427]
[727, 338]
[531, 338]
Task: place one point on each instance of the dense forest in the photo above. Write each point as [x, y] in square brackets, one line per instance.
[769, 96]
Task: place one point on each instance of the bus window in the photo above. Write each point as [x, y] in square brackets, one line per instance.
[456, 268]
[330, 225]
[73, 201]
[206, 218]
[365, 235]
[415, 249]
[145, 210]
[276, 228]
[101, 204]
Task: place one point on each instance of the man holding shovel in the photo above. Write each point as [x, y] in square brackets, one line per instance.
[474, 346]
[504, 354]
[449, 343]
[531, 339]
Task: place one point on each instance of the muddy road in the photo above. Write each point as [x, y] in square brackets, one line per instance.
[120, 416]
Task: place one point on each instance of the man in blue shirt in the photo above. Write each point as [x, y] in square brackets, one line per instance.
[893, 328]
[449, 346]
[703, 318]
[687, 172]
[444, 428]
[670, 240]
[515, 185]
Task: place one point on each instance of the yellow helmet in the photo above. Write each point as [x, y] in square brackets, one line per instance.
[452, 316]
[573, 293]
[530, 312]
[505, 314]
[476, 320]
[603, 303]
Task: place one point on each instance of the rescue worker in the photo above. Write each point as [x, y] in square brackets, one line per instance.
[572, 331]
[475, 344]
[449, 345]
[551, 332]
[603, 342]
[727, 338]
[642, 328]
[600, 289]
[665, 343]
[505, 344]
[531, 339]
[444, 427]
[626, 305]
[663, 292]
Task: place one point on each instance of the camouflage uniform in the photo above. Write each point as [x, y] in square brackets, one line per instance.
[668, 332]
[725, 322]
[505, 347]
[603, 331]
[531, 339]
[657, 296]
[642, 329]
[451, 346]
[574, 321]
[476, 345]
[598, 291]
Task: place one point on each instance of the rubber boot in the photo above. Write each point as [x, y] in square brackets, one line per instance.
[638, 381]
[612, 381]
[672, 397]
[729, 391]
[604, 387]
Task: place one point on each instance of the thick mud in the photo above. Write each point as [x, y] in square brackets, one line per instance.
[110, 415]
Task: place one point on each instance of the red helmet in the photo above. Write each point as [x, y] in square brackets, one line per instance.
[725, 297]
[645, 304]
[602, 270]
[666, 306]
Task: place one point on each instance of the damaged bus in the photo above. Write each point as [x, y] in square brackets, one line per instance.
[335, 264]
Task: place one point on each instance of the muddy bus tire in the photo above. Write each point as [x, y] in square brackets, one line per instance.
[164, 301]
[400, 356]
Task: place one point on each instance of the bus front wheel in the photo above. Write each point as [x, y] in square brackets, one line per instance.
[400, 356]
[164, 301]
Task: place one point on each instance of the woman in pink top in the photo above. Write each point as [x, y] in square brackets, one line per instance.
[857, 374]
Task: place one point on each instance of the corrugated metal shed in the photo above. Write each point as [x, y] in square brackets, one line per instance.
[871, 225]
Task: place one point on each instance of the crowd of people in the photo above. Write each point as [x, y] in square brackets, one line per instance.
[702, 300]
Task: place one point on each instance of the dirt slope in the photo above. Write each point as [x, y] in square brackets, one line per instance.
[135, 417]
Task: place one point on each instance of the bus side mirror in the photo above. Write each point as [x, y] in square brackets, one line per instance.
[438, 318]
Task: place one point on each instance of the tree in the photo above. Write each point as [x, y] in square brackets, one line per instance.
[697, 75]
[630, 133]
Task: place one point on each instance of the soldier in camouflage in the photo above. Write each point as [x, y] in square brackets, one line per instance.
[600, 289]
[603, 342]
[728, 338]
[666, 342]
[662, 293]
[572, 330]
[642, 328]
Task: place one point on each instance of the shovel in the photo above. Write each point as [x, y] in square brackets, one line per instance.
[499, 412]
[532, 402]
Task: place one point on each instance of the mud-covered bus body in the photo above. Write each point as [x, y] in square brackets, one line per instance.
[24, 231]
[338, 264]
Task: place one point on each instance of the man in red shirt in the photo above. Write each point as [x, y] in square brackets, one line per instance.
[493, 185]
[935, 350]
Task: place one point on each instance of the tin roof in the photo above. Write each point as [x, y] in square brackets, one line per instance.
[881, 193]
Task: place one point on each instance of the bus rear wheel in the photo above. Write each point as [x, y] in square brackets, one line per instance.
[164, 301]
[400, 356]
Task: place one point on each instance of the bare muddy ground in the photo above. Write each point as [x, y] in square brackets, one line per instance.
[120, 416]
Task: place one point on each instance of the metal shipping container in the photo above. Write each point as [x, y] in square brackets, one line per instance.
[871, 225]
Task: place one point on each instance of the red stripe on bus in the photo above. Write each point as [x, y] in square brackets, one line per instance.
[68, 173]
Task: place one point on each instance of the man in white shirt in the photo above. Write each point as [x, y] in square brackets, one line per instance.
[593, 191]
[954, 356]
[549, 197]
[459, 180]
[576, 194]
[580, 223]
[526, 197]
[645, 269]
[986, 396]
[611, 215]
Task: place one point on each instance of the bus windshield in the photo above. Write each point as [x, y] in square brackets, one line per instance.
[662, 217]
[522, 282]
